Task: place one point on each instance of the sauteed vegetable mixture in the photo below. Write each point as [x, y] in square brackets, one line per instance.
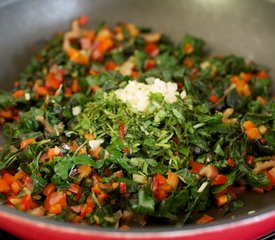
[112, 126]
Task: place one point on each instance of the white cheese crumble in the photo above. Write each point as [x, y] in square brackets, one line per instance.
[251, 212]
[94, 144]
[202, 187]
[27, 96]
[137, 94]
[76, 110]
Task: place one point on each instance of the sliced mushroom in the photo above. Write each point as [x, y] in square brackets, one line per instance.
[227, 113]
[260, 166]
[133, 30]
[209, 171]
[126, 68]
[75, 33]
[48, 127]
[151, 37]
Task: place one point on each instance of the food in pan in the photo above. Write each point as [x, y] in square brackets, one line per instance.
[110, 126]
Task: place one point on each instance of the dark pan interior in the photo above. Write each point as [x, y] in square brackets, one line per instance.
[245, 28]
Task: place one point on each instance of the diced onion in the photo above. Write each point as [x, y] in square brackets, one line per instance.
[137, 94]
[202, 187]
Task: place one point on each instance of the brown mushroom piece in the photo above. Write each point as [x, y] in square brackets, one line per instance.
[209, 171]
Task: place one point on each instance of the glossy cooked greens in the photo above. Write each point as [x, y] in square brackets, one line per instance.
[76, 153]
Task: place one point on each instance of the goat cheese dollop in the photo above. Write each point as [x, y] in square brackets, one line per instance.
[137, 94]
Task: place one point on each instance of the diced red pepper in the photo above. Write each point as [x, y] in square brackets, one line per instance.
[125, 150]
[271, 181]
[42, 91]
[84, 170]
[75, 86]
[253, 133]
[188, 48]
[101, 194]
[51, 152]
[221, 200]
[262, 74]
[52, 81]
[188, 62]
[246, 77]
[6, 113]
[250, 159]
[205, 219]
[18, 93]
[262, 100]
[152, 49]
[89, 136]
[105, 45]
[196, 167]
[272, 175]
[149, 64]
[122, 187]
[16, 187]
[28, 182]
[50, 188]
[8, 178]
[248, 125]
[222, 192]
[4, 187]
[26, 142]
[213, 98]
[26, 202]
[124, 227]
[121, 130]
[83, 20]
[160, 187]
[110, 65]
[219, 180]
[173, 179]
[158, 180]
[76, 189]
[78, 56]
[68, 92]
[117, 29]
[93, 72]
[231, 162]
[258, 189]
[95, 153]
[85, 210]
[239, 189]
[56, 202]
[20, 175]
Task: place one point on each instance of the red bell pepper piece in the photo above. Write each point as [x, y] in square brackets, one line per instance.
[121, 130]
[160, 187]
[196, 167]
[26, 202]
[83, 20]
[152, 49]
[219, 180]
[122, 187]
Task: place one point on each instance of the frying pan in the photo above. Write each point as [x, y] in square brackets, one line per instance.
[245, 28]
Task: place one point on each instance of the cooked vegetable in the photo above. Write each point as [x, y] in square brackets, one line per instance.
[114, 126]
